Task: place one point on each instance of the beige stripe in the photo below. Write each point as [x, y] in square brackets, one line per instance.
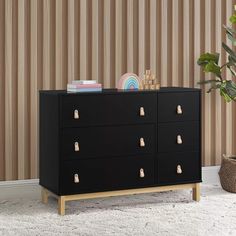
[229, 133]
[141, 45]
[22, 92]
[107, 43]
[175, 43]
[46, 44]
[8, 93]
[83, 40]
[71, 40]
[186, 43]
[118, 40]
[59, 46]
[218, 111]
[207, 111]
[33, 91]
[164, 43]
[197, 41]
[153, 36]
[95, 38]
[2, 92]
[130, 35]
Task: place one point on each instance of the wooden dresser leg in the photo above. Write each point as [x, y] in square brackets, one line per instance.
[196, 192]
[61, 206]
[44, 194]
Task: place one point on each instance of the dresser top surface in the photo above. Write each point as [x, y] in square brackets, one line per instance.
[116, 91]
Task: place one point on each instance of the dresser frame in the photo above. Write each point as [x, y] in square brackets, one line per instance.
[51, 189]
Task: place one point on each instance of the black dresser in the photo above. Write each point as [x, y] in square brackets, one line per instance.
[113, 143]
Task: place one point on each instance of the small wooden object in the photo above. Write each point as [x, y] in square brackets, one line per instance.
[179, 139]
[179, 110]
[141, 111]
[141, 142]
[179, 169]
[76, 114]
[149, 82]
[141, 173]
[76, 178]
[76, 146]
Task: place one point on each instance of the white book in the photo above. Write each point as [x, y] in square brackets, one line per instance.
[84, 82]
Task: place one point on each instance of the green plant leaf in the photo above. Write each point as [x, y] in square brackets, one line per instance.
[232, 61]
[207, 57]
[231, 70]
[232, 39]
[213, 68]
[229, 51]
[233, 19]
[224, 94]
[229, 30]
[231, 88]
[228, 90]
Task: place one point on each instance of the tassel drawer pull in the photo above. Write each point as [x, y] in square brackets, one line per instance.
[76, 178]
[179, 169]
[76, 146]
[141, 142]
[141, 173]
[141, 111]
[179, 139]
[76, 114]
[179, 110]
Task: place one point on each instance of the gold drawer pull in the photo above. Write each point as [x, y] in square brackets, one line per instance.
[141, 142]
[179, 169]
[76, 146]
[141, 173]
[76, 178]
[179, 110]
[141, 111]
[76, 114]
[179, 139]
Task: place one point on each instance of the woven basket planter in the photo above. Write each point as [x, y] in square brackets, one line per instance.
[227, 173]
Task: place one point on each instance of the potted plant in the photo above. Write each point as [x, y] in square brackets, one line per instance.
[227, 87]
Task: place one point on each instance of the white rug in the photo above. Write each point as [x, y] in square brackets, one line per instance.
[169, 213]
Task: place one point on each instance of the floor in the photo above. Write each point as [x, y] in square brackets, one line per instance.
[168, 213]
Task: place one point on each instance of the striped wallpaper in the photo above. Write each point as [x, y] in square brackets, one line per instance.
[46, 43]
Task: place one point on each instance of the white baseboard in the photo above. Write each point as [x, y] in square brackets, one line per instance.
[209, 176]
[17, 183]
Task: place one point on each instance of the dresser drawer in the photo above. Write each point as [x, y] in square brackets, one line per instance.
[102, 109]
[174, 168]
[97, 142]
[178, 106]
[106, 174]
[178, 136]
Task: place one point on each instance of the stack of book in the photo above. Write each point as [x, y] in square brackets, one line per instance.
[84, 86]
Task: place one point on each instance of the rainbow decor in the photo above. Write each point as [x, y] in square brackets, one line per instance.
[128, 81]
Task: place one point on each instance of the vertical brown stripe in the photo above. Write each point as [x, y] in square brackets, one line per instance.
[2, 90]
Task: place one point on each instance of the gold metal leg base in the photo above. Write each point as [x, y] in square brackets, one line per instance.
[63, 199]
[196, 192]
